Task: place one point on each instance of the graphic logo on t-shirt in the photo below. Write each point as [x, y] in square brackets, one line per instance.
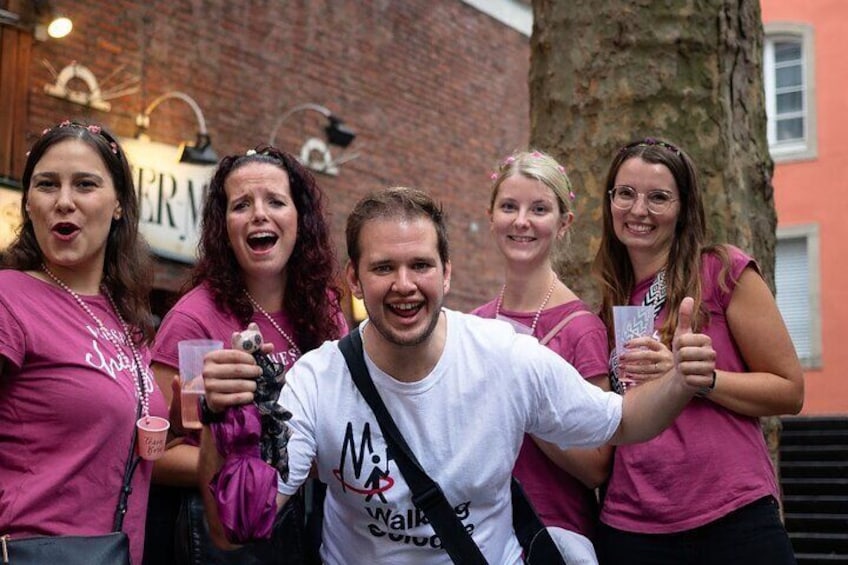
[109, 363]
[113, 363]
[371, 478]
[366, 471]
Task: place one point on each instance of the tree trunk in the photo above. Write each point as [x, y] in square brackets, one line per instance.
[603, 72]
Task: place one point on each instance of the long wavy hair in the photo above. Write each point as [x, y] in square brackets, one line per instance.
[127, 272]
[612, 263]
[311, 298]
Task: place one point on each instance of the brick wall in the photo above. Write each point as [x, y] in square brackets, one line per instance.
[435, 90]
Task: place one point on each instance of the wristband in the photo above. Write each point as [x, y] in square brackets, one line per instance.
[207, 416]
[705, 390]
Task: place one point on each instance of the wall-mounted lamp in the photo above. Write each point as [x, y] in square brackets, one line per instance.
[50, 23]
[46, 24]
[201, 153]
[336, 132]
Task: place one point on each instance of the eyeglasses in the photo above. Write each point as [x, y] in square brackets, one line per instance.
[657, 201]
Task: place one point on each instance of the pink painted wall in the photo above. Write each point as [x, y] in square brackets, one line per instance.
[816, 191]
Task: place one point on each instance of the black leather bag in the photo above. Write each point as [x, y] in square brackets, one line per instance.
[108, 549]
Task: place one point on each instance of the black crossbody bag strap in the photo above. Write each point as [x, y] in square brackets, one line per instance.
[427, 495]
[129, 469]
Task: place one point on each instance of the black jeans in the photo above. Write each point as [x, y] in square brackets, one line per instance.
[751, 535]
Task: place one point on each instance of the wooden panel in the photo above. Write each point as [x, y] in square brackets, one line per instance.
[15, 52]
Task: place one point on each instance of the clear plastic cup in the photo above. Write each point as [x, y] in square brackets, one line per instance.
[630, 322]
[192, 352]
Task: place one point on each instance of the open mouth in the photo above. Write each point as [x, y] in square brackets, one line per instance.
[262, 241]
[407, 310]
[65, 229]
[522, 238]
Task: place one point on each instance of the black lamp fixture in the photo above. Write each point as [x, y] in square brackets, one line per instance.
[201, 153]
[336, 131]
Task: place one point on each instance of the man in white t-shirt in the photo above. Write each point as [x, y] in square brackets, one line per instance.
[463, 391]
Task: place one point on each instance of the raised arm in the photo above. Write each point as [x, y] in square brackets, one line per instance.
[775, 381]
[229, 378]
[651, 407]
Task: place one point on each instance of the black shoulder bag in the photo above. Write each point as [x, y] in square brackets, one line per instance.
[107, 549]
[427, 495]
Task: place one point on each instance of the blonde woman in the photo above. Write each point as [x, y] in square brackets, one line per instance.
[530, 213]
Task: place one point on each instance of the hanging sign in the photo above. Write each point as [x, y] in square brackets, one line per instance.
[170, 195]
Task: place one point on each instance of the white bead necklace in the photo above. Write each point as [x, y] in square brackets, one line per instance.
[140, 385]
[541, 306]
[277, 327]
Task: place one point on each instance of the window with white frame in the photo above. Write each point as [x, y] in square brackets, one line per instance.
[797, 280]
[789, 83]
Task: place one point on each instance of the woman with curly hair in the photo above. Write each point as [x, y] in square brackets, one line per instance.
[265, 257]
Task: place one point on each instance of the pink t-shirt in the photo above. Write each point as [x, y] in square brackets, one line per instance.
[711, 460]
[196, 316]
[67, 415]
[559, 498]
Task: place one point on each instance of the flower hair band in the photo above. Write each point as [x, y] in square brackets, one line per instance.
[651, 141]
[93, 129]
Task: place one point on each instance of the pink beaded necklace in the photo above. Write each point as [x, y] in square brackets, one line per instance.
[143, 394]
[277, 327]
[541, 306]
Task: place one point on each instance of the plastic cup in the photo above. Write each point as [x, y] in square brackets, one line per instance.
[630, 322]
[152, 435]
[191, 352]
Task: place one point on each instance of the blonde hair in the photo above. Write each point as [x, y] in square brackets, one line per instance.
[538, 165]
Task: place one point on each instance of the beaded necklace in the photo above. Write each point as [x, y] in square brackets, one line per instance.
[140, 387]
[277, 327]
[538, 312]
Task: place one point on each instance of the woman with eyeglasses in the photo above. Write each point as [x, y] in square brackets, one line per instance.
[704, 491]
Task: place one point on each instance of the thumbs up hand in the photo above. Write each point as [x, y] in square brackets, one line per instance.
[694, 356]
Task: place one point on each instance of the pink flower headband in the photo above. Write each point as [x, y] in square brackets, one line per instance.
[91, 128]
[535, 154]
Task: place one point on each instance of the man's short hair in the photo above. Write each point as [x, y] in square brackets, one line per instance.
[395, 203]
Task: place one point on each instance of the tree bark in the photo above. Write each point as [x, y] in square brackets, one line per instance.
[604, 72]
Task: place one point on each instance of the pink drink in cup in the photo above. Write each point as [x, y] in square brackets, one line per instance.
[191, 353]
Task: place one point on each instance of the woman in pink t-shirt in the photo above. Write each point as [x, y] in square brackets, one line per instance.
[704, 490]
[530, 213]
[74, 334]
[265, 257]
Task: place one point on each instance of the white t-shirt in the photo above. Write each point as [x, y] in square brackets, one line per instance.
[465, 422]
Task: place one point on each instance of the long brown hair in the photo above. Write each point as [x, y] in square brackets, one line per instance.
[127, 272]
[612, 263]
